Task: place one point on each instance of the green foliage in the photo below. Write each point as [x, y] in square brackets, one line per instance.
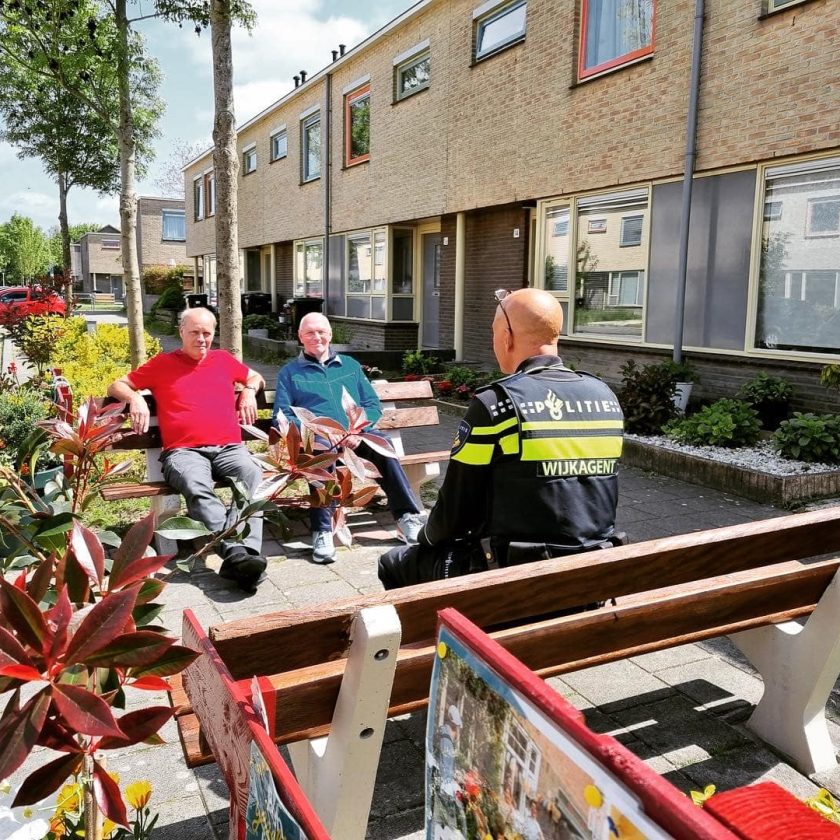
[647, 397]
[809, 437]
[19, 411]
[459, 375]
[341, 333]
[765, 388]
[157, 277]
[24, 250]
[36, 336]
[419, 363]
[727, 422]
[682, 371]
[258, 322]
[172, 297]
[830, 377]
[92, 361]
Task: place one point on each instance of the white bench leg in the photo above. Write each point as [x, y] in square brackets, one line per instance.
[418, 474]
[163, 506]
[338, 772]
[799, 665]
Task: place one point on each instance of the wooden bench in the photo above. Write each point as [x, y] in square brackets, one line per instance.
[398, 415]
[338, 670]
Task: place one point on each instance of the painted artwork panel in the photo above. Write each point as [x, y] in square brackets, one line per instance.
[499, 766]
[267, 816]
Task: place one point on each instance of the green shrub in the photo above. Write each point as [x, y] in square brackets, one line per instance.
[459, 375]
[770, 396]
[258, 322]
[157, 277]
[682, 371]
[726, 422]
[172, 297]
[19, 411]
[341, 333]
[809, 437]
[92, 361]
[647, 398]
[418, 363]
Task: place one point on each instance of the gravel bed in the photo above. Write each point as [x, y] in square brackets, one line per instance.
[762, 457]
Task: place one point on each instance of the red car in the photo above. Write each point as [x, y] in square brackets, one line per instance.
[21, 301]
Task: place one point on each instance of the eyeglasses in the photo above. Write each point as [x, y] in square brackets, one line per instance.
[500, 295]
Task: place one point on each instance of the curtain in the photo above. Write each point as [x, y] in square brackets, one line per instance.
[615, 28]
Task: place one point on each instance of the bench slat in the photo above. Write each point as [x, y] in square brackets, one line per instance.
[291, 639]
[305, 698]
[420, 389]
[409, 418]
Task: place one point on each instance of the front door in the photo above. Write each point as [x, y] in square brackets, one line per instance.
[431, 291]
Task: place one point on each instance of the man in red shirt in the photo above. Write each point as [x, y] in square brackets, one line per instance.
[199, 414]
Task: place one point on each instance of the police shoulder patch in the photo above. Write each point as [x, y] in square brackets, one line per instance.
[461, 437]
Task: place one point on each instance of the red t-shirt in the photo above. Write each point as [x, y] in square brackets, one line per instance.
[196, 404]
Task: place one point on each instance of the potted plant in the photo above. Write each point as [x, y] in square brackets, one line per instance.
[770, 396]
[683, 375]
[342, 337]
[257, 326]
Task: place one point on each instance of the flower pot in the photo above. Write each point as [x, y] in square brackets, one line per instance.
[682, 395]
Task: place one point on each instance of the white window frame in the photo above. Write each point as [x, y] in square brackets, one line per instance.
[249, 159]
[406, 61]
[273, 139]
[198, 197]
[307, 121]
[210, 193]
[489, 13]
[175, 214]
[821, 234]
[301, 283]
[371, 234]
[622, 236]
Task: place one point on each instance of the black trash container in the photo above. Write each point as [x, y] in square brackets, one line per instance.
[298, 307]
[256, 303]
[196, 300]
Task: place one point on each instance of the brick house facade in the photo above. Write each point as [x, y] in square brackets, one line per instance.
[510, 143]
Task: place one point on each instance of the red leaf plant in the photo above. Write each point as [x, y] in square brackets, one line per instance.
[73, 633]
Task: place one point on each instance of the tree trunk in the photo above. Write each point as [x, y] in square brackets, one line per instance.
[128, 199]
[66, 259]
[226, 165]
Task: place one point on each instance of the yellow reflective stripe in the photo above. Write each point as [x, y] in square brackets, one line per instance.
[476, 454]
[494, 430]
[616, 425]
[561, 449]
[510, 444]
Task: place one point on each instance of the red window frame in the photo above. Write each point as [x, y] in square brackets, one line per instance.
[352, 97]
[588, 72]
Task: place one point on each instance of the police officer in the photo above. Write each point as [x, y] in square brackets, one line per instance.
[532, 473]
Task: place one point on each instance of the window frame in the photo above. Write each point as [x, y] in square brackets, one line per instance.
[306, 122]
[299, 284]
[350, 99]
[621, 234]
[198, 198]
[371, 234]
[272, 139]
[249, 153]
[174, 213]
[110, 244]
[828, 234]
[407, 61]
[209, 194]
[632, 57]
[489, 13]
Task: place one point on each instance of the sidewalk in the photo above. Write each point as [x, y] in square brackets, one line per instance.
[681, 710]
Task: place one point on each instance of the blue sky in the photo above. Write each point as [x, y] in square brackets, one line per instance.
[290, 35]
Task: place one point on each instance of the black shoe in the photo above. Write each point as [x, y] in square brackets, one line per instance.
[247, 570]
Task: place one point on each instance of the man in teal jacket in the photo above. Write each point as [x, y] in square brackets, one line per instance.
[315, 381]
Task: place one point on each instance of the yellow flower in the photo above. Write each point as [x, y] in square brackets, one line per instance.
[699, 798]
[69, 799]
[138, 794]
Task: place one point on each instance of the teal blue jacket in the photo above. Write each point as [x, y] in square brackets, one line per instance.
[306, 383]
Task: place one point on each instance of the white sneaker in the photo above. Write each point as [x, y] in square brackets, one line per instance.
[323, 548]
[409, 526]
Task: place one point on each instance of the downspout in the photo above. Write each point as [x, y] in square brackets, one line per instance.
[460, 274]
[328, 174]
[688, 175]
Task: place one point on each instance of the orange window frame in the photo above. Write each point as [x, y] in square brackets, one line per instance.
[355, 96]
[588, 72]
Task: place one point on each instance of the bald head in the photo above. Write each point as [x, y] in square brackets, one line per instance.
[315, 334]
[196, 328]
[536, 320]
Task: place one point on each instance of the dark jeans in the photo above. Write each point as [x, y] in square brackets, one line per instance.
[392, 480]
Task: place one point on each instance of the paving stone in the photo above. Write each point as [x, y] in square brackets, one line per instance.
[617, 683]
[317, 594]
[713, 681]
[660, 659]
[399, 779]
[406, 826]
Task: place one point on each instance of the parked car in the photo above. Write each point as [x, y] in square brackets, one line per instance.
[21, 301]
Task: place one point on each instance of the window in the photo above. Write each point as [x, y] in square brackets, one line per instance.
[798, 298]
[210, 194]
[366, 275]
[610, 279]
[111, 244]
[772, 211]
[249, 160]
[402, 274]
[774, 5]
[174, 227]
[614, 32]
[310, 148]
[823, 217]
[412, 74]
[198, 199]
[357, 126]
[497, 28]
[279, 144]
[631, 231]
[309, 268]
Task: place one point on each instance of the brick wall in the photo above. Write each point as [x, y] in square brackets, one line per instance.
[283, 270]
[371, 335]
[151, 247]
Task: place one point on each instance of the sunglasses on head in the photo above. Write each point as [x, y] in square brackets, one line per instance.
[500, 295]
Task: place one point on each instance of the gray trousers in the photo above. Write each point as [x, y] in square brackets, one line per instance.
[193, 473]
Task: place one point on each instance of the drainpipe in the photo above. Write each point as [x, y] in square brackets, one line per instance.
[688, 175]
[327, 177]
[460, 271]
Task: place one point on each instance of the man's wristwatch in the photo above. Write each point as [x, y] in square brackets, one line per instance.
[250, 388]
